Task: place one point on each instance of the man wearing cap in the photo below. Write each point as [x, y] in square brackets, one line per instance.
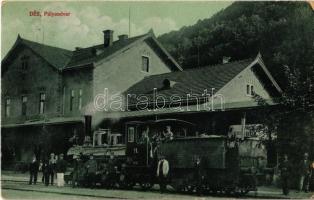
[78, 171]
[168, 134]
[61, 168]
[285, 174]
[198, 175]
[162, 173]
[304, 168]
[52, 167]
[91, 168]
[112, 168]
[33, 169]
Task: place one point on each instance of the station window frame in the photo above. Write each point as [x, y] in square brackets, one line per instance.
[145, 64]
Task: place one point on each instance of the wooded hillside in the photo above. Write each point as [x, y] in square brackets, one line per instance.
[282, 31]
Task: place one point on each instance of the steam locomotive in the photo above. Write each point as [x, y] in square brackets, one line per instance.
[224, 167]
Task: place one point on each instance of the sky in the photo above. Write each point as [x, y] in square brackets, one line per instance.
[87, 20]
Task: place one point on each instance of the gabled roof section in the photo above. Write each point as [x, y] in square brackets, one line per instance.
[194, 81]
[259, 60]
[86, 56]
[191, 81]
[57, 57]
[89, 55]
[63, 59]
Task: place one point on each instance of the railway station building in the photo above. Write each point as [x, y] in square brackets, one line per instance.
[47, 90]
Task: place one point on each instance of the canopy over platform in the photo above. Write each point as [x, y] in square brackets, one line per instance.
[185, 109]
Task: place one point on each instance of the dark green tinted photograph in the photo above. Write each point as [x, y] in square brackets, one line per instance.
[157, 100]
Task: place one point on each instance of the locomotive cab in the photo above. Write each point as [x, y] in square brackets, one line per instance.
[144, 138]
[137, 147]
[143, 141]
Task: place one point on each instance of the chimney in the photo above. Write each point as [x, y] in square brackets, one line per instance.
[123, 37]
[88, 125]
[108, 38]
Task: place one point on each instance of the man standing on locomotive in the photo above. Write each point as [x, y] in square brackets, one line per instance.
[168, 134]
[162, 173]
[145, 135]
[145, 139]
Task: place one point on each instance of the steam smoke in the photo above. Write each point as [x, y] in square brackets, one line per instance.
[98, 116]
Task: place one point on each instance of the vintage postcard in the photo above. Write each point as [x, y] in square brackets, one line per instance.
[157, 99]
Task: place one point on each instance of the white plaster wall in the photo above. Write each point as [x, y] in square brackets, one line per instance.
[125, 69]
[235, 90]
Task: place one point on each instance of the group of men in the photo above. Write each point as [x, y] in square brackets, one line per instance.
[159, 136]
[86, 171]
[305, 171]
[50, 167]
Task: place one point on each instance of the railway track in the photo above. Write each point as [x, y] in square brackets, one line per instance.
[19, 185]
[63, 193]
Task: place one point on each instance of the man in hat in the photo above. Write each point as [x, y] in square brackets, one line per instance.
[112, 169]
[91, 168]
[198, 175]
[78, 171]
[52, 167]
[61, 168]
[33, 169]
[162, 173]
[168, 134]
[285, 174]
[46, 171]
[304, 170]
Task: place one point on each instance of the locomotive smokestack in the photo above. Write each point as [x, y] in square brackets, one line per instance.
[88, 125]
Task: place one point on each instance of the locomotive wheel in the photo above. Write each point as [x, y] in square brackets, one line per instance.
[243, 191]
[228, 191]
[129, 185]
[240, 191]
[188, 189]
[124, 183]
[146, 185]
[207, 190]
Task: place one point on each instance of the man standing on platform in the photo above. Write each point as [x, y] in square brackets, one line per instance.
[91, 168]
[33, 169]
[198, 176]
[162, 173]
[285, 174]
[304, 168]
[52, 167]
[112, 168]
[61, 168]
